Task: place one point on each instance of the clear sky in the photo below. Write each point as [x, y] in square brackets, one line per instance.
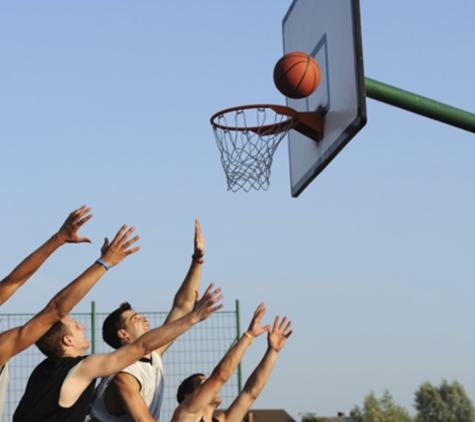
[107, 103]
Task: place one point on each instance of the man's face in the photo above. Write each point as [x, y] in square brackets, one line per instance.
[77, 336]
[135, 326]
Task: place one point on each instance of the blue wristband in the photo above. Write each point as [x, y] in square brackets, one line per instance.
[103, 264]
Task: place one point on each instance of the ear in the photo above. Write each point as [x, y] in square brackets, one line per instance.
[67, 341]
[123, 335]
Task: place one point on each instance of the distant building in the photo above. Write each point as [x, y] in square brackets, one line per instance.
[280, 415]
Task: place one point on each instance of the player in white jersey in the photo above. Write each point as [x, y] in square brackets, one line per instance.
[135, 393]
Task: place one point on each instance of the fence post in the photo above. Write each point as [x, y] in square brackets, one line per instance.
[93, 327]
[238, 328]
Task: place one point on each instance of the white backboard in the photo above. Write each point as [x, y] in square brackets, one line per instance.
[329, 31]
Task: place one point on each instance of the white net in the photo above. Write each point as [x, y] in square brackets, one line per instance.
[247, 139]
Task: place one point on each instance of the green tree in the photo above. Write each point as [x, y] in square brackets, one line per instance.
[380, 410]
[312, 417]
[446, 403]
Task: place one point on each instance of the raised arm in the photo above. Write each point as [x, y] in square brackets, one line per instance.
[276, 340]
[68, 233]
[95, 366]
[192, 407]
[17, 339]
[130, 402]
[185, 296]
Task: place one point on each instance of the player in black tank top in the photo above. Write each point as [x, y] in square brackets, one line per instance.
[40, 403]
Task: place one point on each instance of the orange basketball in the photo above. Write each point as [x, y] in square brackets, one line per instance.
[296, 75]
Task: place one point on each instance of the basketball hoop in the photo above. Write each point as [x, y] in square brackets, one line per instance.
[247, 137]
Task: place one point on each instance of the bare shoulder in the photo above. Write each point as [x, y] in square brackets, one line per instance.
[127, 382]
[182, 414]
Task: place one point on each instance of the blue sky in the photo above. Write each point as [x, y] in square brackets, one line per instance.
[108, 104]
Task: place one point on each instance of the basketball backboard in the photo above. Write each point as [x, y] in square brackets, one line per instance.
[330, 32]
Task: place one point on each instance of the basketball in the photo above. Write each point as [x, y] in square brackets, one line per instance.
[296, 75]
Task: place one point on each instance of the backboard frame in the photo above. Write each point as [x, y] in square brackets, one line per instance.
[309, 26]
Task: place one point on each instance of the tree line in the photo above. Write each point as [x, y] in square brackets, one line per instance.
[447, 402]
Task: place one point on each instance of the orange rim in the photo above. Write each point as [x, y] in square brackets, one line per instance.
[283, 126]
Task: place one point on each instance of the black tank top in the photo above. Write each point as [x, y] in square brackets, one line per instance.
[40, 403]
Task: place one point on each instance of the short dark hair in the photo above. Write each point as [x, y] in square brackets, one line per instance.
[113, 323]
[50, 344]
[187, 387]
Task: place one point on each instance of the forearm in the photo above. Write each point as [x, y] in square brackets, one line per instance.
[259, 377]
[75, 291]
[168, 333]
[28, 267]
[185, 297]
[229, 363]
[124, 396]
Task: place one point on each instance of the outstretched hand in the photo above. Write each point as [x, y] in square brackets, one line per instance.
[204, 307]
[279, 334]
[113, 253]
[68, 232]
[255, 328]
[199, 250]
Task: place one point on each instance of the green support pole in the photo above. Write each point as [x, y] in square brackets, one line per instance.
[420, 105]
[238, 327]
[93, 327]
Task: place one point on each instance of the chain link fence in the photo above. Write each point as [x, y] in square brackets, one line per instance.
[198, 350]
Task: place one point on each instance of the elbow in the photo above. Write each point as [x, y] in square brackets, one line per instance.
[56, 311]
[221, 375]
[253, 395]
[183, 306]
[144, 347]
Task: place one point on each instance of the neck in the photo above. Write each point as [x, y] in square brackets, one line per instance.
[73, 353]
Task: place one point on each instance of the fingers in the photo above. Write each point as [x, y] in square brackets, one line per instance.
[197, 229]
[259, 312]
[84, 239]
[283, 327]
[287, 327]
[206, 306]
[217, 308]
[122, 237]
[216, 299]
[261, 305]
[76, 215]
[130, 241]
[211, 298]
[127, 243]
[72, 224]
[86, 218]
[120, 247]
[119, 234]
[127, 234]
[208, 290]
[79, 212]
[199, 241]
[131, 251]
[276, 323]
